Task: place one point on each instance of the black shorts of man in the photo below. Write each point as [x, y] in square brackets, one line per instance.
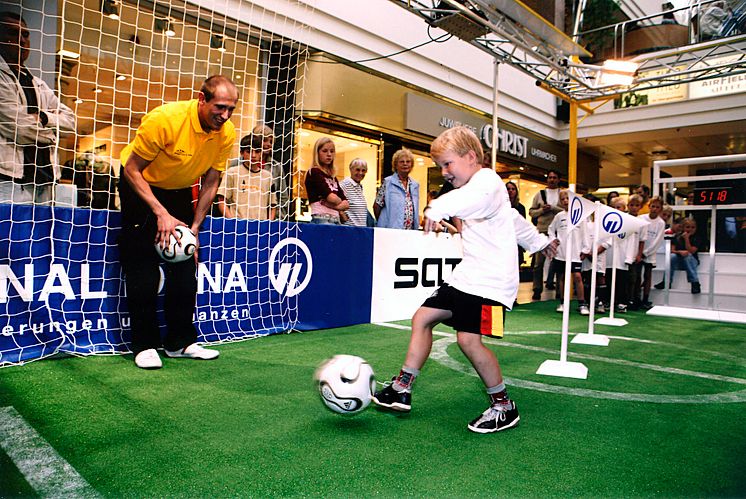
[176, 145]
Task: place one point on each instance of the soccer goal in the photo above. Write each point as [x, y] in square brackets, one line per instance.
[111, 62]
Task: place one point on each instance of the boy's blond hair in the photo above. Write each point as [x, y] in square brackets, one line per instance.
[459, 140]
[667, 209]
[656, 199]
[635, 197]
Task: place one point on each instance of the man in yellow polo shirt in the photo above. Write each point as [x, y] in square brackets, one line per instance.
[176, 145]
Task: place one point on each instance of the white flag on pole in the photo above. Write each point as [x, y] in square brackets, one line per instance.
[617, 223]
[578, 210]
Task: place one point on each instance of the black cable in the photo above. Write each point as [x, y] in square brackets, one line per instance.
[443, 38]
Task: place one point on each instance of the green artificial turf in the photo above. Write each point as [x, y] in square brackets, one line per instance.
[251, 424]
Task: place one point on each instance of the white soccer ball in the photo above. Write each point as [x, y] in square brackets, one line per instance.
[346, 384]
[176, 252]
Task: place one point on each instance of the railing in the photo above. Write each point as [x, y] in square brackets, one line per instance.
[659, 183]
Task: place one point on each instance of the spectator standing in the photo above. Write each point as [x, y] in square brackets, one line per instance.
[246, 189]
[398, 199]
[176, 144]
[560, 229]
[542, 211]
[281, 192]
[616, 258]
[352, 186]
[634, 243]
[610, 197]
[326, 197]
[654, 238]
[31, 117]
[643, 191]
[516, 205]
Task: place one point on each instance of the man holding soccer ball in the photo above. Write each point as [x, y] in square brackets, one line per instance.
[176, 144]
[473, 299]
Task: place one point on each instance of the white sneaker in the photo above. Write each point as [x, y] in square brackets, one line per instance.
[560, 308]
[584, 310]
[148, 359]
[193, 351]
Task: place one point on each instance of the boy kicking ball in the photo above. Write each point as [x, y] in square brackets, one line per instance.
[472, 299]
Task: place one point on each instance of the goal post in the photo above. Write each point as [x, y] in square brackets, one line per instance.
[111, 62]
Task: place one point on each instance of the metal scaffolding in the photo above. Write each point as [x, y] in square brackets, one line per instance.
[515, 35]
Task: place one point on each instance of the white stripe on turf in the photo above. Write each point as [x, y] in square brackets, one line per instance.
[44, 469]
[440, 354]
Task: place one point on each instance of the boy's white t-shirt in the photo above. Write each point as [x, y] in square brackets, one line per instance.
[559, 229]
[488, 268]
[654, 233]
[588, 243]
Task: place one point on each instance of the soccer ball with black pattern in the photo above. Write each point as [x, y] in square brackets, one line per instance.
[178, 251]
[346, 384]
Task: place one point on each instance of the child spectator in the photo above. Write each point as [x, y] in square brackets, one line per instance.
[245, 189]
[586, 255]
[634, 244]
[666, 214]
[653, 239]
[559, 229]
[685, 248]
[616, 255]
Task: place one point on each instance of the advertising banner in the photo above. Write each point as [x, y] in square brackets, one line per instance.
[407, 267]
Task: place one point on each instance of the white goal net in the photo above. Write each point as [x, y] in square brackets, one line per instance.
[110, 62]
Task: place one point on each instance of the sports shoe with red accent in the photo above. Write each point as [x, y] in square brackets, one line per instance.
[391, 399]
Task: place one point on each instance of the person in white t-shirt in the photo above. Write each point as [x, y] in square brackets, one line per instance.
[654, 238]
[474, 298]
[559, 229]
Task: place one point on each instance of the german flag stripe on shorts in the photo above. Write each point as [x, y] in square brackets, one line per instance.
[492, 321]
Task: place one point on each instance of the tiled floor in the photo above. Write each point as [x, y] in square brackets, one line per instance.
[525, 291]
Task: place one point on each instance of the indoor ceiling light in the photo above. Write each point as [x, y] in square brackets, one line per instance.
[68, 53]
[615, 72]
[121, 77]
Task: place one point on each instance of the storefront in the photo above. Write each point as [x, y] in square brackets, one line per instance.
[371, 116]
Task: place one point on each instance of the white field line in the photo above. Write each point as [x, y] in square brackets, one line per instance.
[44, 469]
[440, 354]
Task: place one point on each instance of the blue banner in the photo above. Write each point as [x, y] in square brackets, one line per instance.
[62, 291]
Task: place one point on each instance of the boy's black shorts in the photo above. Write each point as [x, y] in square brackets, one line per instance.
[471, 313]
[558, 267]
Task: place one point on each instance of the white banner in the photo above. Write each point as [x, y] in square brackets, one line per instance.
[407, 267]
[579, 209]
[617, 223]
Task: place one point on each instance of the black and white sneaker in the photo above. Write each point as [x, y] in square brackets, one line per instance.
[391, 399]
[497, 417]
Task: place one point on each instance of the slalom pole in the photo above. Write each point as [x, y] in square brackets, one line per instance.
[592, 300]
[590, 338]
[566, 296]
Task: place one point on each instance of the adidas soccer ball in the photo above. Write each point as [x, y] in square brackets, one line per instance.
[346, 384]
[176, 252]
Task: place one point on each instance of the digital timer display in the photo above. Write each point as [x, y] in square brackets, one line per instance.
[713, 195]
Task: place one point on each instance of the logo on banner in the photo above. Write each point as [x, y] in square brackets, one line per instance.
[576, 211]
[284, 276]
[612, 222]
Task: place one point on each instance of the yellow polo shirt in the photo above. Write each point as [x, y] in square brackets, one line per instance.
[171, 138]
